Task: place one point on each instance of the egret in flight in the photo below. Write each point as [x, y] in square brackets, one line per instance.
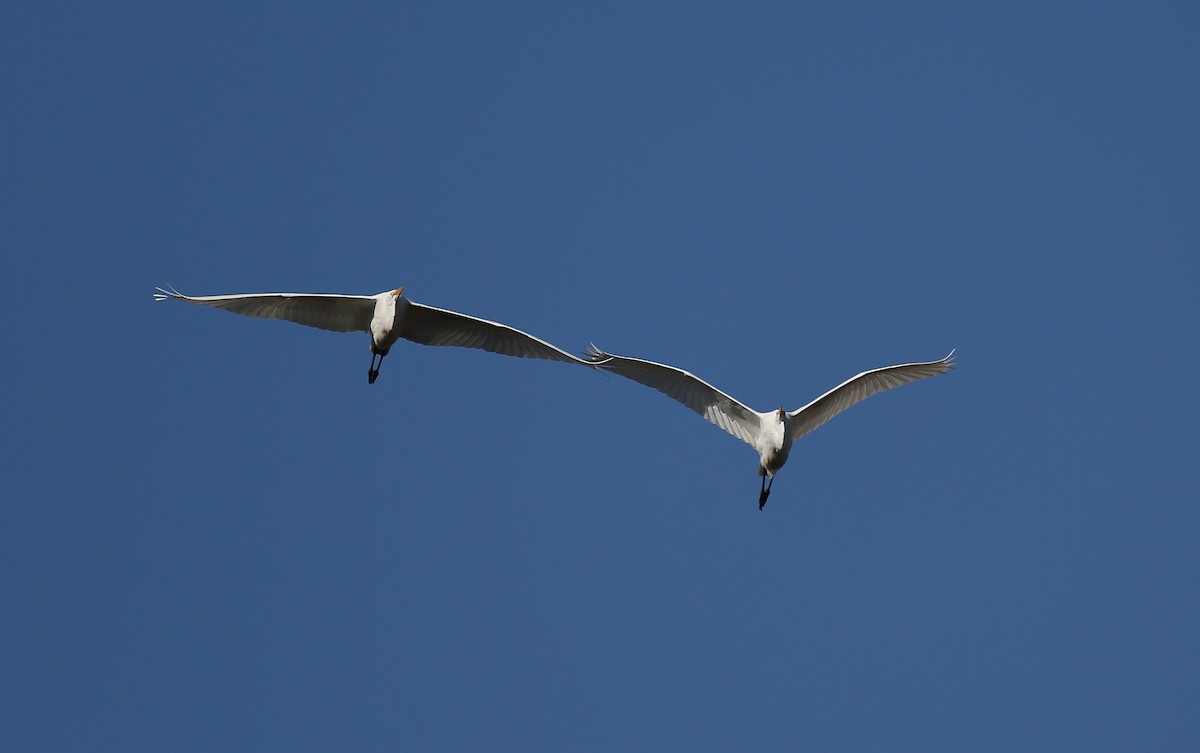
[387, 317]
[771, 434]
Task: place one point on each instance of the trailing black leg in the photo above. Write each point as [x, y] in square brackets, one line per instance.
[373, 371]
[765, 491]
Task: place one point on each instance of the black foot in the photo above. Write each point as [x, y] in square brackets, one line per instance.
[373, 369]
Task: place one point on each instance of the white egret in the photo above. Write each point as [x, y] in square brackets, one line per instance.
[771, 434]
[387, 316]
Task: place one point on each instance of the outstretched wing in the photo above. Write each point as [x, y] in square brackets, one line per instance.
[432, 326]
[337, 313]
[859, 388]
[697, 394]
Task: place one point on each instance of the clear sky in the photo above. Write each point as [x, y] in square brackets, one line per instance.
[217, 537]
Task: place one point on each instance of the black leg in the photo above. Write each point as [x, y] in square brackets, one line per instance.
[765, 491]
[373, 372]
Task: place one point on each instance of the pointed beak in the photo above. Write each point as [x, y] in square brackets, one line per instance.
[398, 291]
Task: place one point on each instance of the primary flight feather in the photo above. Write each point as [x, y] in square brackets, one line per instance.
[387, 317]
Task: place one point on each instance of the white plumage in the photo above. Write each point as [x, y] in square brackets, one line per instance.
[771, 433]
[388, 316]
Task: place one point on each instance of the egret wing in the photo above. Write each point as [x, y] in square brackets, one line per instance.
[337, 313]
[433, 326]
[689, 389]
[859, 388]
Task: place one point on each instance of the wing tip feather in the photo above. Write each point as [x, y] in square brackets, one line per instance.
[168, 292]
[594, 356]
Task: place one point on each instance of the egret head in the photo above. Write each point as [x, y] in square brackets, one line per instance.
[398, 291]
[780, 413]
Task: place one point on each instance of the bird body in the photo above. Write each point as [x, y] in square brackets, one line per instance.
[774, 442]
[387, 317]
[386, 321]
[772, 433]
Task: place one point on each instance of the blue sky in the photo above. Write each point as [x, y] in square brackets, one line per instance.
[217, 536]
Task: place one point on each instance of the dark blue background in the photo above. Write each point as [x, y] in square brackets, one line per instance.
[216, 536]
